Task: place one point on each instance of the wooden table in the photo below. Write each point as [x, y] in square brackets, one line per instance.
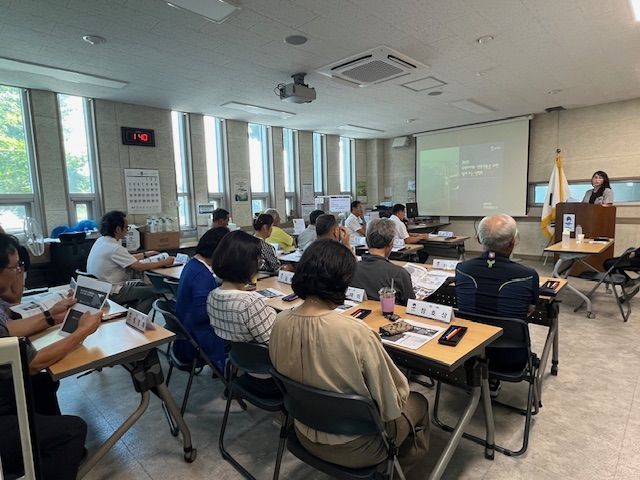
[115, 343]
[575, 252]
[453, 243]
[463, 365]
[169, 272]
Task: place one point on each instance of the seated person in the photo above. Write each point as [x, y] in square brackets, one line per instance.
[317, 346]
[196, 282]
[399, 214]
[238, 315]
[492, 284]
[376, 271]
[278, 235]
[355, 221]
[60, 437]
[632, 264]
[220, 218]
[327, 228]
[109, 261]
[309, 234]
[263, 225]
[12, 294]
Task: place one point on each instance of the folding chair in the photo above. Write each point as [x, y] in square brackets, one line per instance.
[172, 285]
[613, 280]
[200, 360]
[250, 358]
[515, 334]
[340, 414]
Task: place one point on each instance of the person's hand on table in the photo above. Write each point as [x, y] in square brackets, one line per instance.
[59, 310]
[167, 262]
[150, 253]
[288, 267]
[89, 323]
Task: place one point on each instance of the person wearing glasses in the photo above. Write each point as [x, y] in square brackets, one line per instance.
[110, 262]
[60, 437]
[13, 293]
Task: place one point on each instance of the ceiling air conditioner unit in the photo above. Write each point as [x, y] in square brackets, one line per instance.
[372, 67]
[401, 142]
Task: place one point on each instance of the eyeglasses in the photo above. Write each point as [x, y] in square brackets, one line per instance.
[18, 268]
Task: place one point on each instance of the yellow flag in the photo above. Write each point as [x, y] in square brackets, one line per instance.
[557, 191]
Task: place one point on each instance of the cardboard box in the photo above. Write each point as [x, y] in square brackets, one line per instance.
[160, 241]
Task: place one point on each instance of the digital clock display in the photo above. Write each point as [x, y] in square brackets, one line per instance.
[138, 136]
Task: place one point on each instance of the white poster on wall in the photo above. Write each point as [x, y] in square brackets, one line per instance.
[142, 190]
[240, 191]
[307, 193]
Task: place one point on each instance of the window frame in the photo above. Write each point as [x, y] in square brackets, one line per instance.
[351, 167]
[219, 199]
[267, 160]
[32, 201]
[323, 163]
[94, 199]
[635, 180]
[291, 197]
[184, 132]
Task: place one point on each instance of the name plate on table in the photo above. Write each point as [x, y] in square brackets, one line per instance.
[139, 320]
[445, 264]
[434, 311]
[182, 258]
[285, 277]
[355, 294]
[398, 243]
[444, 233]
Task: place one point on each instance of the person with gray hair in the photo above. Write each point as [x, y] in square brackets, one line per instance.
[375, 270]
[278, 235]
[492, 284]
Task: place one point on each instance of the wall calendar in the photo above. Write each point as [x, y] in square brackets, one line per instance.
[143, 190]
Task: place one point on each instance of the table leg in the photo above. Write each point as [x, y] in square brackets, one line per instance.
[456, 435]
[556, 274]
[554, 357]
[162, 392]
[488, 413]
[551, 342]
[111, 441]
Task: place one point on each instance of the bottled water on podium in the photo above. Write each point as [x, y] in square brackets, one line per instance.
[566, 238]
[578, 232]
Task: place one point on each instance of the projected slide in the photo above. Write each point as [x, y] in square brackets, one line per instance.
[473, 171]
[457, 173]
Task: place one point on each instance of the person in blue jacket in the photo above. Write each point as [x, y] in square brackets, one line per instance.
[196, 281]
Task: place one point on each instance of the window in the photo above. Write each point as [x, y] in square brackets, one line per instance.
[182, 159]
[18, 188]
[78, 139]
[319, 162]
[259, 167]
[216, 160]
[290, 160]
[346, 165]
[624, 191]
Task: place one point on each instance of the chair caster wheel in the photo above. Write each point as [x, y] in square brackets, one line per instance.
[190, 455]
[591, 315]
[175, 431]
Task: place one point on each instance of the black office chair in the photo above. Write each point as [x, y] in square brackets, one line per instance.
[339, 414]
[250, 358]
[515, 334]
[167, 308]
[172, 285]
[79, 272]
[613, 280]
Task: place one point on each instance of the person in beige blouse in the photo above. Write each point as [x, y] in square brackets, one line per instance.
[317, 346]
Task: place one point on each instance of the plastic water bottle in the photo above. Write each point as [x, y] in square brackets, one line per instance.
[578, 232]
[566, 238]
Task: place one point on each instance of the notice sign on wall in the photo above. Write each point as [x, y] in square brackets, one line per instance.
[142, 190]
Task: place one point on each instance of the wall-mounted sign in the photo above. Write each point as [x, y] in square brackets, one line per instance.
[142, 137]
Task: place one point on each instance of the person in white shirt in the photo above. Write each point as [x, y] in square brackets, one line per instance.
[110, 262]
[355, 222]
[309, 234]
[399, 214]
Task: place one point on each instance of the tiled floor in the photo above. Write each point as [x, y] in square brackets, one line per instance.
[589, 427]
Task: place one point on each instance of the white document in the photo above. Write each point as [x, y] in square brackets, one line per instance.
[339, 204]
[155, 258]
[345, 306]
[182, 258]
[424, 281]
[270, 293]
[416, 338]
[445, 264]
[91, 295]
[298, 225]
[291, 257]
[36, 304]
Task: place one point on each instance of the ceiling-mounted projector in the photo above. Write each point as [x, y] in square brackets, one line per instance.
[296, 92]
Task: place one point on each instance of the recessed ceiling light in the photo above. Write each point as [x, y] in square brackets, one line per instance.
[215, 11]
[257, 110]
[435, 93]
[295, 39]
[484, 39]
[635, 5]
[410, 120]
[360, 129]
[555, 91]
[472, 106]
[94, 39]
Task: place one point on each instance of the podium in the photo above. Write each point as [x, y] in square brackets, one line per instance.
[596, 221]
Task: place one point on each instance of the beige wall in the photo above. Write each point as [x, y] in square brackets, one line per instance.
[601, 137]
